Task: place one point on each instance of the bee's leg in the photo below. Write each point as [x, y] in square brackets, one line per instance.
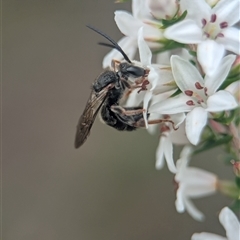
[128, 111]
[133, 116]
[115, 64]
[156, 121]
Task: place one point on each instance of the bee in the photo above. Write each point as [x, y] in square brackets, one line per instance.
[107, 91]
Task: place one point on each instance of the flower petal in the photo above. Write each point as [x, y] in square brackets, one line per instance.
[231, 40]
[179, 203]
[196, 10]
[129, 46]
[162, 9]
[227, 11]
[186, 31]
[173, 105]
[210, 54]
[220, 101]
[207, 236]
[193, 211]
[144, 51]
[185, 74]
[230, 223]
[168, 152]
[212, 83]
[135, 98]
[127, 24]
[140, 9]
[179, 137]
[146, 100]
[160, 153]
[195, 122]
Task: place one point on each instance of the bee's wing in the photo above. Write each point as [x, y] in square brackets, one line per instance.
[89, 114]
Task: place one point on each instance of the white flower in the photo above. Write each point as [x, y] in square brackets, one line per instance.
[168, 137]
[199, 96]
[211, 28]
[163, 9]
[159, 80]
[231, 224]
[129, 25]
[192, 183]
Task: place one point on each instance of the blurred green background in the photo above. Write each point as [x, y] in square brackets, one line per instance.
[108, 189]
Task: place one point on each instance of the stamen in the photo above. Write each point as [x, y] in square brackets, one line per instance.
[213, 18]
[207, 34]
[164, 128]
[198, 85]
[204, 22]
[220, 35]
[223, 24]
[205, 91]
[190, 103]
[189, 93]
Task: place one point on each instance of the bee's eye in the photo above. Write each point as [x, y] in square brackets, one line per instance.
[136, 71]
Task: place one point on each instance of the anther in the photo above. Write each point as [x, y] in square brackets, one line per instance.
[204, 22]
[198, 85]
[189, 93]
[190, 103]
[223, 24]
[213, 18]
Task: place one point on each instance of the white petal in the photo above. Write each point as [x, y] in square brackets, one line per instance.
[161, 79]
[231, 39]
[199, 183]
[220, 101]
[140, 9]
[172, 105]
[153, 78]
[129, 46]
[179, 203]
[151, 33]
[196, 10]
[153, 128]
[185, 74]
[212, 83]
[227, 11]
[193, 211]
[186, 31]
[195, 122]
[207, 236]
[144, 51]
[127, 24]
[230, 223]
[160, 153]
[186, 152]
[179, 137]
[168, 151]
[146, 100]
[161, 9]
[135, 98]
[210, 54]
[178, 119]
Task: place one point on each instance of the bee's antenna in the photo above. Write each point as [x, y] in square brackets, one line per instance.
[113, 45]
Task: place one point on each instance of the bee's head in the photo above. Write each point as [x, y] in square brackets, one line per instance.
[129, 70]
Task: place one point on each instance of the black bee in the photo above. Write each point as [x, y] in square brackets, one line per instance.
[107, 90]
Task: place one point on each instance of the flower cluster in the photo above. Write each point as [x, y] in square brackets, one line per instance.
[193, 85]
